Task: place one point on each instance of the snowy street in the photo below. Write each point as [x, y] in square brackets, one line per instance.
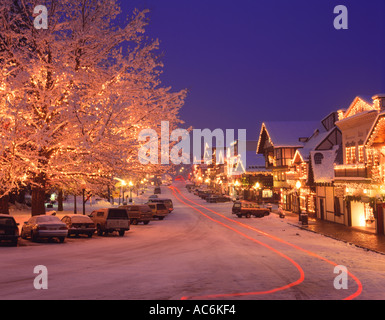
[200, 251]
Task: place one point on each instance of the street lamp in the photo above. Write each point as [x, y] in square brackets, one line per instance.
[298, 185]
[130, 184]
[122, 185]
[257, 186]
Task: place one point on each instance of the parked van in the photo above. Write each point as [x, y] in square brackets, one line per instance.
[159, 210]
[111, 219]
[138, 213]
[167, 202]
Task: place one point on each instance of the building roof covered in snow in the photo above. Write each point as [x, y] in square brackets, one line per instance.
[323, 164]
[317, 141]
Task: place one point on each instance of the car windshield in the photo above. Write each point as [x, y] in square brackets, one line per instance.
[118, 214]
[44, 219]
[4, 221]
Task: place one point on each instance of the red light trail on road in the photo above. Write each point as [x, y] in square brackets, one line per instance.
[295, 283]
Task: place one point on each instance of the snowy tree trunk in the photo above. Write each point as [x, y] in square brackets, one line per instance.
[4, 204]
[60, 201]
[38, 201]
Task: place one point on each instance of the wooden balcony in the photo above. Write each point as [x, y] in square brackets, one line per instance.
[359, 171]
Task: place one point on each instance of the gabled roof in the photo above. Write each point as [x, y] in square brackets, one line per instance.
[283, 134]
[376, 135]
[359, 104]
[314, 142]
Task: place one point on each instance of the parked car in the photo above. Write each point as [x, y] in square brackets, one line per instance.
[109, 220]
[44, 227]
[9, 230]
[159, 210]
[167, 202]
[78, 224]
[248, 209]
[215, 198]
[157, 190]
[204, 195]
[138, 213]
[212, 198]
[223, 199]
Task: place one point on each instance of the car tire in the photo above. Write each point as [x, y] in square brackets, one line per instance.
[146, 222]
[239, 215]
[99, 230]
[33, 237]
[121, 233]
[248, 215]
[61, 239]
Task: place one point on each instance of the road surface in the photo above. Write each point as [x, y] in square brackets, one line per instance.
[200, 251]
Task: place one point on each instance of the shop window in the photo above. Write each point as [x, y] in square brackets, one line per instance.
[369, 216]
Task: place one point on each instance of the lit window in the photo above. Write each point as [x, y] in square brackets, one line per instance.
[348, 156]
[353, 154]
[361, 154]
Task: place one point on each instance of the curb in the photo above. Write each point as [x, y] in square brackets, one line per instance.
[338, 239]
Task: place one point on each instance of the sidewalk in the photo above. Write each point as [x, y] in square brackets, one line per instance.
[359, 238]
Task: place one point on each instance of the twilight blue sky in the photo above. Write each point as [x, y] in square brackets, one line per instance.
[248, 61]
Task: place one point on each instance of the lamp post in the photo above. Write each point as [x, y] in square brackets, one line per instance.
[130, 184]
[257, 186]
[298, 185]
[122, 185]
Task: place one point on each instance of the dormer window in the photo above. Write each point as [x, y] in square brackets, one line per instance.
[318, 157]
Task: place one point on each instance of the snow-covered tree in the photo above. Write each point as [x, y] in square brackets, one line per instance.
[83, 89]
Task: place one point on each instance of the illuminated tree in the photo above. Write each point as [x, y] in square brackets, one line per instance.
[83, 89]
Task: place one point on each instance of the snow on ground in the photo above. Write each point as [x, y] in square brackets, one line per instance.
[191, 254]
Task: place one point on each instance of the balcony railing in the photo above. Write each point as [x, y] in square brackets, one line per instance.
[353, 171]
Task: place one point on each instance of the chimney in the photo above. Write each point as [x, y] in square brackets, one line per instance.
[379, 101]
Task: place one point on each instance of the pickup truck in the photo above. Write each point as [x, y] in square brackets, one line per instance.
[111, 219]
[248, 209]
